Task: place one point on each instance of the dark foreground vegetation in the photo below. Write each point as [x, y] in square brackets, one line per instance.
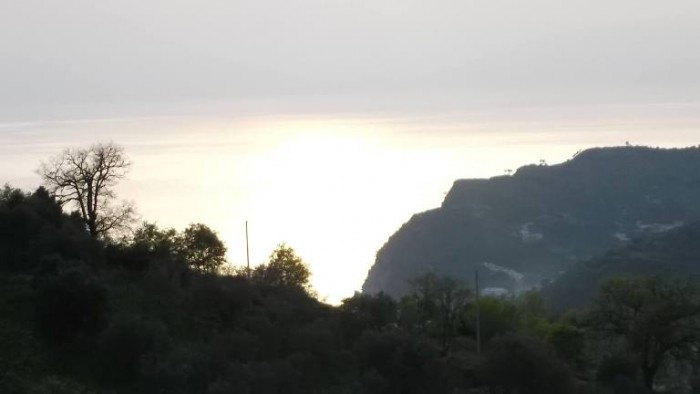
[157, 311]
[82, 315]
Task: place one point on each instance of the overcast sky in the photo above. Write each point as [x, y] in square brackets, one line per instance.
[344, 55]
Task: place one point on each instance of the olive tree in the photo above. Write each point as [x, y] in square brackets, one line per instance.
[86, 178]
[658, 319]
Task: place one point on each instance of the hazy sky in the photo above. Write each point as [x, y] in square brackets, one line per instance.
[327, 124]
[344, 55]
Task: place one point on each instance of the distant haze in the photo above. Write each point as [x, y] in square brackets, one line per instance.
[346, 55]
[327, 124]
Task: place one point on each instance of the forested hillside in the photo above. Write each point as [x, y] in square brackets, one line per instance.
[674, 255]
[530, 227]
[88, 309]
[80, 314]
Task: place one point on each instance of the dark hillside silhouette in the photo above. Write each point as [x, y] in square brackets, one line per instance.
[544, 218]
[673, 254]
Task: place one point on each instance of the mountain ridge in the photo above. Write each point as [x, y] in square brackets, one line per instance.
[544, 218]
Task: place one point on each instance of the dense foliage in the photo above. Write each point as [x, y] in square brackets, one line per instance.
[283, 269]
[155, 312]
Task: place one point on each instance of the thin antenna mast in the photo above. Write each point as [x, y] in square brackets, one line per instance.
[247, 250]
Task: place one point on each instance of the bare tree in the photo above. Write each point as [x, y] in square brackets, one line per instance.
[86, 178]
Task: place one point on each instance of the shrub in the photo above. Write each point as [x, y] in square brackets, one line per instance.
[526, 366]
[70, 305]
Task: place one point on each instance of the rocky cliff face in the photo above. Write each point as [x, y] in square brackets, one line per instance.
[530, 227]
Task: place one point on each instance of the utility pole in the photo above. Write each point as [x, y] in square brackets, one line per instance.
[247, 250]
[478, 314]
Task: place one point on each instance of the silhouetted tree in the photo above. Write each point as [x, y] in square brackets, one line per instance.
[438, 302]
[149, 247]
[498, 316]
[70, 305]
[124, 344]
[404, 363]
[524, 365]
[366, 312]
[86, 177]
[532, 313]
[33, 226]
[284, 268]
[569, 342]
[620, 373]
[155, 240]
[200, 247]
[657, 319]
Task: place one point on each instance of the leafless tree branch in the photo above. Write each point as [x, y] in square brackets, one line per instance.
[86, 178]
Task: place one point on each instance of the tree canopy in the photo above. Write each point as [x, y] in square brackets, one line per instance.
[284, 268]
[86, 178]
[658, 319]
[197, 247]
[201, 248]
